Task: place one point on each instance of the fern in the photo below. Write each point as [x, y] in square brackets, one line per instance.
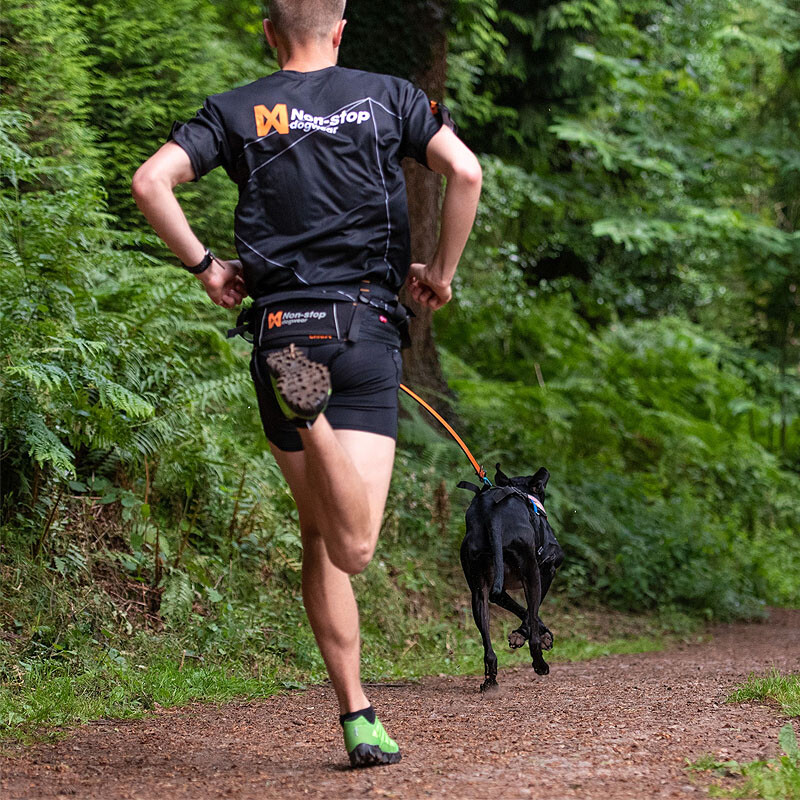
[178, 595]
[44, 447]
[118, 397]
[40, 375]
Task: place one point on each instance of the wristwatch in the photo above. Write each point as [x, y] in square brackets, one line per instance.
[203, 265]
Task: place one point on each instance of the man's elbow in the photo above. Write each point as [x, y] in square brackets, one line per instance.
[468, 172]
[146, 182]
[142, 183]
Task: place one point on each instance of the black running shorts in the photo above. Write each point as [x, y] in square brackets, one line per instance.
[365, 376]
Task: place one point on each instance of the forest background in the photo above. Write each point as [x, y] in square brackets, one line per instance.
[626, 315]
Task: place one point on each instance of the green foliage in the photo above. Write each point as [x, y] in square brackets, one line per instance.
[663, 489]
[662, 137]
[59, 695]
[153, 64]
[84, 324]
[45, 71]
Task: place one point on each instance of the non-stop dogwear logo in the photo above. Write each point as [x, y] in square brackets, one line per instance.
[281, 120]
[279, 319]
[266, 120]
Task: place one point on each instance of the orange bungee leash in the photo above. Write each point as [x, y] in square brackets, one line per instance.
[459, 441]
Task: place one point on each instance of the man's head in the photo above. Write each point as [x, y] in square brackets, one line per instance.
[304, 21]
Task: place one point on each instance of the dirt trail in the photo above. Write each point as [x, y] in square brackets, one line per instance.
[616, 727]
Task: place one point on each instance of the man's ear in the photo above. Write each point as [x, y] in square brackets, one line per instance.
[538, 482]
[500, 478]
[269, 33]
[338, 32]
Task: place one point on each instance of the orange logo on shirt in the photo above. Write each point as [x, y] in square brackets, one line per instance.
[266, 120]
[274, 320]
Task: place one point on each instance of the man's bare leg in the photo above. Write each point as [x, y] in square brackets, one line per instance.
[336, 471]
[336, 465]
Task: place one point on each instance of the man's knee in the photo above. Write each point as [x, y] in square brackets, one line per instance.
[352, 558]
[348, 553]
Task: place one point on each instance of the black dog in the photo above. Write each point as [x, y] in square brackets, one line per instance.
[509, 544]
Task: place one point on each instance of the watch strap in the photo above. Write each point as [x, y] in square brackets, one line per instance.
[203, 265]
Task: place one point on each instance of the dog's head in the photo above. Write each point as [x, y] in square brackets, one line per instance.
[530, 484]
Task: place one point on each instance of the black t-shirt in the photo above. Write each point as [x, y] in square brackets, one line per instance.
[316, 157]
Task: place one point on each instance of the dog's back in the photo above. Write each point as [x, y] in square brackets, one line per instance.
[498, 542]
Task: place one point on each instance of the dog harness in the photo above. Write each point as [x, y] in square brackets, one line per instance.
[537, 504]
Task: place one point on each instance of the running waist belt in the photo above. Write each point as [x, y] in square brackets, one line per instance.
[315, 315]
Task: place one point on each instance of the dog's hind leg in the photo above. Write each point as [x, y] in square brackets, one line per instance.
[480, 612]
[518, 637]
[547, 572]
[548, 567]
[545, 634]
[531, 583]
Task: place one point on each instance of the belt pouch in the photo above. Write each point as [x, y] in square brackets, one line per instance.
[303, 322]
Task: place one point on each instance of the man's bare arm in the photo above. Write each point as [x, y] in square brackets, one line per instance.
[152, 188]
[429, 284]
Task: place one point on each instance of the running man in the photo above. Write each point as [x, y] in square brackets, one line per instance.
[322, 235]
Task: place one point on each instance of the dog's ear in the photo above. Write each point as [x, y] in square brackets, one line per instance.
[500, 478]
[538, 482]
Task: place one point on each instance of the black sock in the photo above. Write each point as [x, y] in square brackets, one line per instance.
[368, 713]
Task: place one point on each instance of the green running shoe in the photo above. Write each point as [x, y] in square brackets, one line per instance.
[368, 744]
[302, 386]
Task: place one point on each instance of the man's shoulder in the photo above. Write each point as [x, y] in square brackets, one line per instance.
[343, 78]
[390, 81]
[232, 96]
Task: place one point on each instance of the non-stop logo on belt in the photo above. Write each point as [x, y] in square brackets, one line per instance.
[280, 319]
[281, 120]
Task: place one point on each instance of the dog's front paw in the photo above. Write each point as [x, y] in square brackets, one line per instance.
[517, 638]
[489, 685]
[540, 667]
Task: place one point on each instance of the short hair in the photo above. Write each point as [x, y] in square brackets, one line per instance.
[302, 20]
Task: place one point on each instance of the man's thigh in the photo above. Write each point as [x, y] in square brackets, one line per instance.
[365, 377]
[372, 456]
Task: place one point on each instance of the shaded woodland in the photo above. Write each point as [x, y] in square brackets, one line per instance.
[627, 314]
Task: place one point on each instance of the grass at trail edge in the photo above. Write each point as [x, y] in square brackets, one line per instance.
[772, 687]
[43, 699]
[771, 779]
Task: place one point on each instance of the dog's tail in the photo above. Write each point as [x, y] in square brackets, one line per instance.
[467, 485]
[496, 542]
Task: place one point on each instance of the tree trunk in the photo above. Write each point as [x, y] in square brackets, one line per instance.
[408, 38]
[421, 367]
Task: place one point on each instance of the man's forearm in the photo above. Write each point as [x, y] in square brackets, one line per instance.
[152, 189]
[160, 207]
[458, 214]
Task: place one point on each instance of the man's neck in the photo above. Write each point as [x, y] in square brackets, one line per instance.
[308, 58]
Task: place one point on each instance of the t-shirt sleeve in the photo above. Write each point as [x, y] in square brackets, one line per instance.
[204, 139]
[419, 124]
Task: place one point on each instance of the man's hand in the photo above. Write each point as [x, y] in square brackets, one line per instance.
[426, 289]
[223, 283]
